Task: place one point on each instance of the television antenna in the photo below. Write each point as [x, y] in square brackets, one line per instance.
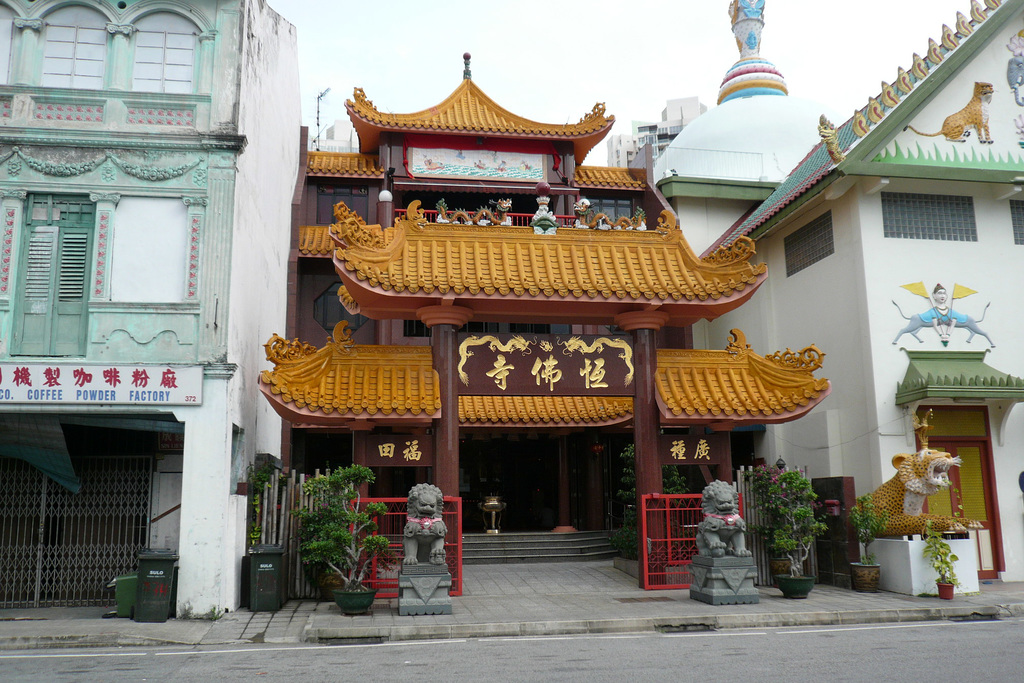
[320, 96]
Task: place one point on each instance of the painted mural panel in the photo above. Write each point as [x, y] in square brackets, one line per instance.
[475, 163]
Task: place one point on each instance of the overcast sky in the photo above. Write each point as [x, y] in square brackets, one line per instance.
[552, 60]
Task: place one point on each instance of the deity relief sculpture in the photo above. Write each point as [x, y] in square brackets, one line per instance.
[941, 317]
[723, 531]
[424, 529]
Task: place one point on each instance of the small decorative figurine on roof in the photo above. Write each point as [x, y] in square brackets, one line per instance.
[941, 317]
[585, 218]
[544, 222]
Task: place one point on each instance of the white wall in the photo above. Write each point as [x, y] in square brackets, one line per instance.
[149, 255]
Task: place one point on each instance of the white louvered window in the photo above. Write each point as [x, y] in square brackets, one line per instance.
[52, 310]
[165, 54]
[76, 48]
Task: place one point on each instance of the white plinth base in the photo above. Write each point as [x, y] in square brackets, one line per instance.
[906, 570]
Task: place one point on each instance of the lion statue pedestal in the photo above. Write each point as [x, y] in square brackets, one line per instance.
[424, 580]
[723, 570]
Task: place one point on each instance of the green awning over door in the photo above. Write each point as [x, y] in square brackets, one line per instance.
[956, 375]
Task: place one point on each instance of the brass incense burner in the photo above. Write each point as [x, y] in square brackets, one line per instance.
[491, 507]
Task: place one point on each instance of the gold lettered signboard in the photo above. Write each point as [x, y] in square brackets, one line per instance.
[540, 364]
[399, 450]
[694, 449]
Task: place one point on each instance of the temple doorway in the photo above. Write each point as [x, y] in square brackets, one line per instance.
[523, 470]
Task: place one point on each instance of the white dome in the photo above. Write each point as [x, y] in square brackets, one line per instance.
[750, 138]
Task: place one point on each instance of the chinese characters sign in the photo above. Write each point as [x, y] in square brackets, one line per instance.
[545, 365]
[66, 382]
[694, 449]
[399, 450]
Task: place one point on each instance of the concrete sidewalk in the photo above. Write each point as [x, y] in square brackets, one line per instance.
[506, 600]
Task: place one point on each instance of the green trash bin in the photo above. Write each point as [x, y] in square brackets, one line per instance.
[265, 580]
[155, 587]
[124, 594]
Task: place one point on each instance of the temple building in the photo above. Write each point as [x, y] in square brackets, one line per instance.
[502, 320]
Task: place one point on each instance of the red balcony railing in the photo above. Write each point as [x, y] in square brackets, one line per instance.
[518, 219]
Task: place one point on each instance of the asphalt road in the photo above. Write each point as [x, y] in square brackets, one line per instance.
[934, 651]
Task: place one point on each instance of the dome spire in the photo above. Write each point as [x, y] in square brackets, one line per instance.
[751, 75]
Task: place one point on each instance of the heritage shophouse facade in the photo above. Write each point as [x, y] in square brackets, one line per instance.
[135, 141]
[510, 352]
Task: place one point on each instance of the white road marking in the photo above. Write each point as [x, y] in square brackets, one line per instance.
[871, 628]
[77, 654]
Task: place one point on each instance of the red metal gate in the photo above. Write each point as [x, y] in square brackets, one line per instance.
[392, 525]
[668, 525]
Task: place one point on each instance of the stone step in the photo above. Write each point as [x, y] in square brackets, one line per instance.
[529, 547]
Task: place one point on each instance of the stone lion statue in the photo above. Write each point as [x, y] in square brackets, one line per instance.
[723, 531]
[424, 528]
[918, 475]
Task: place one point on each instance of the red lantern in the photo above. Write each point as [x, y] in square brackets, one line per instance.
[597, 448]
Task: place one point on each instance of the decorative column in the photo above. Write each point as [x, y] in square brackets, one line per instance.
[120, 56]
[205, 71]
[195, 215]
[564, 516]
[646, 425]
[644, 325]
[105, 203]
[444, 322]
[27, 67]
[13, 208]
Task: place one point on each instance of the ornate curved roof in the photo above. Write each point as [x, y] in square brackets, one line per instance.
[343, 165]
[510, 272]
[344, 384]
[469, 111]
[344, 381]
[612, 177]
[543, 411]
[737, 386]
[315, 240]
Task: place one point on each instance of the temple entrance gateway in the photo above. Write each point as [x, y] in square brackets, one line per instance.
[522, 470]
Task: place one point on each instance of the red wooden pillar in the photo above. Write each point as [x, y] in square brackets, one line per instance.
[646, 422]
[359, 457]
[564, 517]
[444, 322]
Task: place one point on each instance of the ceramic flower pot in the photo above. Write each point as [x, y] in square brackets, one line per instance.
[778, 565]
[865, 577]
[794, 587]
[354, 602]
[946, 590]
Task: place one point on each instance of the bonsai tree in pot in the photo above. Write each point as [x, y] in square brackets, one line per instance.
[337, 532]
[869, 523]
[787, 503]
[941, 558]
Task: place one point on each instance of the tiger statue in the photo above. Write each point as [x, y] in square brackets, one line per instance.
[918, 475]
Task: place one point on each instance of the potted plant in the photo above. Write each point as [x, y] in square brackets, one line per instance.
[869, 523]
[337, 534]
[941, 558]
[786, 503]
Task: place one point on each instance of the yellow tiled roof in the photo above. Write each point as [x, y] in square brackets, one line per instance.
[469, 111]
[610, 177]
[737, 383]
[342, 164]
[415, 257]
[315, 240]
[521, 411]
[350, 379]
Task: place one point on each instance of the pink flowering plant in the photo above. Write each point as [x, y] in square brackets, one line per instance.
[787, 505]
[337, 532]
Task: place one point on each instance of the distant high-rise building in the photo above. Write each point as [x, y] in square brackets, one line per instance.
[676, 115]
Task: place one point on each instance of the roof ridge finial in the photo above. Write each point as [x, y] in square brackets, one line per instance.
[466, 74]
